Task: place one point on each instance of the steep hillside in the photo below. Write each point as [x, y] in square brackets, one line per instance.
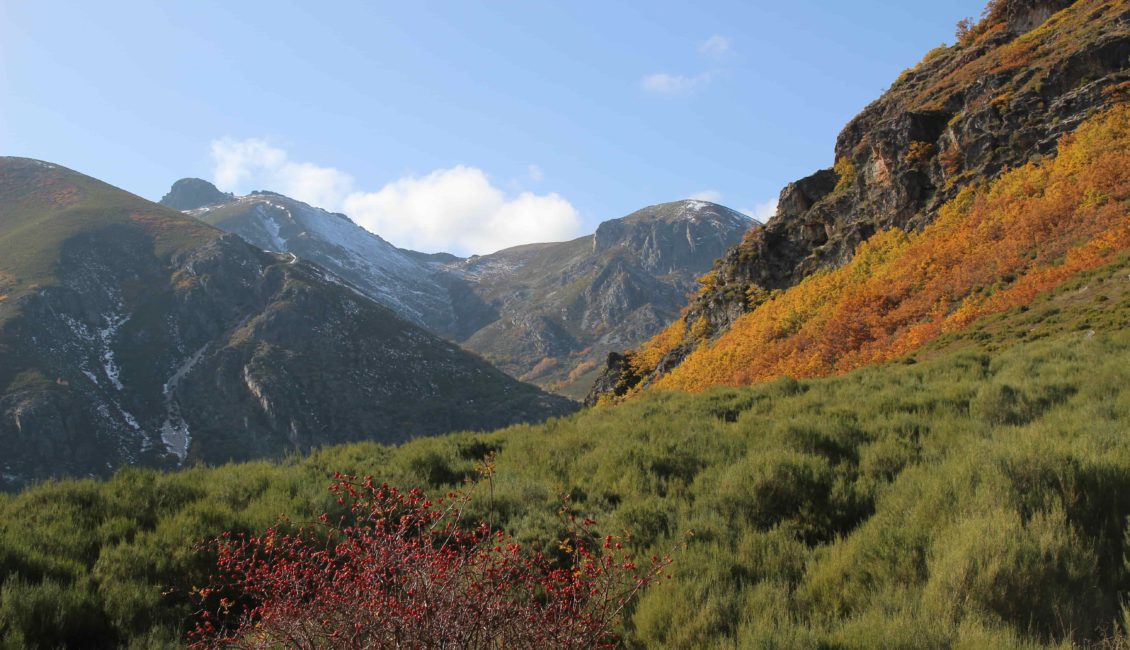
[546, 313]
[133, 334]
[1030, 72]
[989, 250]
[975, 499]
[383, 272]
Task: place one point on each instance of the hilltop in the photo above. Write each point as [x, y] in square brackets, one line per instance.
[560, 308]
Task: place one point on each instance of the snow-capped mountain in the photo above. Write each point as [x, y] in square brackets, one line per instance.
[378, 269]
[546, 312]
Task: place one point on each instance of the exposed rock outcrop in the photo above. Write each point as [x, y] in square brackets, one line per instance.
[193, 193]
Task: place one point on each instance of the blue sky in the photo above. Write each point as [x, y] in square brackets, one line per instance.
[456, 125]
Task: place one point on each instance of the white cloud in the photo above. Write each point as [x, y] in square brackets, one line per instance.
[456, 210]
[664, 83]
[459, 210]
[535, 173]
[244, 165]
[674, 84]
[714, 196]
[717, 46]
[762, 211]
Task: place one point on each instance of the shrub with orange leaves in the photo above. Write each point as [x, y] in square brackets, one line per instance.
[542, 367]
[644, 360]
[991, 248]
[582, 368]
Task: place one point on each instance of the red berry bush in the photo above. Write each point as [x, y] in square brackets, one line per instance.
[404, 571]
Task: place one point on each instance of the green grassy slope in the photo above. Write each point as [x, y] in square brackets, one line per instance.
[975, 496]
[46, 205]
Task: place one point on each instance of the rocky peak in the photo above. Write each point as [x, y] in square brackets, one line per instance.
[193, 193]
[1021, 16]
[551, 312]
[670, 234]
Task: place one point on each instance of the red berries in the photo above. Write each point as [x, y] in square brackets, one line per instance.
[403, 571]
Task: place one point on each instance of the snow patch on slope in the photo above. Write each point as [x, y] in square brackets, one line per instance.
[273, 229]
[174, 430]
[106, 334]
[357, 257]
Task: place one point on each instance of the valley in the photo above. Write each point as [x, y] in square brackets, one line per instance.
[894, 415]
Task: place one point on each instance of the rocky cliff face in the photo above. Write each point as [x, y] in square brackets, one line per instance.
[547, 313]
[149, 338]
[1028, 73]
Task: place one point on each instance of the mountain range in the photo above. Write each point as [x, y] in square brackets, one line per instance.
[216, 328]
[547, 313]
[131, 333]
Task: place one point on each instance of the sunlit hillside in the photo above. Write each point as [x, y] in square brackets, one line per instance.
[993, 247]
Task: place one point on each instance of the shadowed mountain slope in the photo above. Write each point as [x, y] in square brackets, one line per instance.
[134, 334]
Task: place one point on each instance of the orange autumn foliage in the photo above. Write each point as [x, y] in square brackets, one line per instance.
[650, 353]
[990, 249]
[582, 368]
[1036, 51]
[539, 369]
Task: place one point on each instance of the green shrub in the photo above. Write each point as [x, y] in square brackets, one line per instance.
[1036, 575]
